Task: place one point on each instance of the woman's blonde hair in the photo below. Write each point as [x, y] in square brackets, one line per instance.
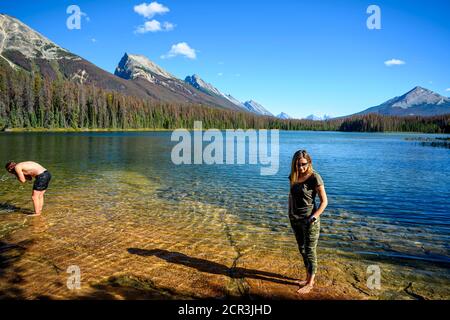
[301, 154]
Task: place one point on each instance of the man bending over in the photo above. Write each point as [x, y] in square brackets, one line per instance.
[27, 171]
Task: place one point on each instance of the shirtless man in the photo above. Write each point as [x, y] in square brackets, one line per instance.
[27, 171]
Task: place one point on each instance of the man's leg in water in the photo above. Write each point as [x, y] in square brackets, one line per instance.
[42, 201]
[37, 197]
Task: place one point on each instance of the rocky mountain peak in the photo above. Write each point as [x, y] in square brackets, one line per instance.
[133, 66]
[255, 107]
[16, 36]
[418, 101]
[419, 96]
[202, 85]
[284, 116]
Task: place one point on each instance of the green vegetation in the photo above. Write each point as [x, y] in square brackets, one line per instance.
[30, 102]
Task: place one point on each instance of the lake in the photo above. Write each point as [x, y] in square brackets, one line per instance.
[121, 210]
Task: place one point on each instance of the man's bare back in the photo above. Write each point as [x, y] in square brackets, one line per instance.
[28, 170]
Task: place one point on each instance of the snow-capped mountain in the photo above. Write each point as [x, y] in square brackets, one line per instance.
[418, 101]
[201, 85]
[235, 101]
[318, 118]
[157, 81]
[284, 116]
[24, 48]
[255, 107]
[208, 88]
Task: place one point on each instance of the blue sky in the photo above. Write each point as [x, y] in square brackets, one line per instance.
[299, 57]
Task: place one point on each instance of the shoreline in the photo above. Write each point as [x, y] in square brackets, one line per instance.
[107, 130]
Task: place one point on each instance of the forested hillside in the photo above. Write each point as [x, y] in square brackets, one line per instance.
[27, 100]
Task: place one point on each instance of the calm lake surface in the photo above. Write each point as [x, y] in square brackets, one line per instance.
[389, 197]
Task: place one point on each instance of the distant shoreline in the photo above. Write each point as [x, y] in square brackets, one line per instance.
[66, 130]
[83, 130]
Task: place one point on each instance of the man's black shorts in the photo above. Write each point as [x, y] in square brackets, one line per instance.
[42, 181]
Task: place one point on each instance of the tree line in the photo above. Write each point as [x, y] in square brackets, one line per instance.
[27, 100]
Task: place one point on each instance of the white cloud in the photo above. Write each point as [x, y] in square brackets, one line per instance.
[448, 89]
[181, 49]
[220, 74]
[394, 62]
[94, 40]
[167, 26]
[150, 10]
[154, 26]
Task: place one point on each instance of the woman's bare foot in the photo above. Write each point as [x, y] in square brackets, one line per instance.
[306, 289]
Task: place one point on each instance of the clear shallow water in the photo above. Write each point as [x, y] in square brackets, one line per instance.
[388, 197]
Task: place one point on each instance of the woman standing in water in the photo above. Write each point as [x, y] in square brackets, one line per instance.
[305, 184]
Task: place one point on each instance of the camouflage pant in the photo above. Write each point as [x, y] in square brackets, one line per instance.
[307, 236]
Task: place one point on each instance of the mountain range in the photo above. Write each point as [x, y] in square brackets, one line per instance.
[136, 75]
[416, 102]
[209, 89]
[318, 118]
[284, 116]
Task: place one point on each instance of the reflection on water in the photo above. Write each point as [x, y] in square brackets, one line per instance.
[116, 192]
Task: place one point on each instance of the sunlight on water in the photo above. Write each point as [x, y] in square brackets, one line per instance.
[118, 207]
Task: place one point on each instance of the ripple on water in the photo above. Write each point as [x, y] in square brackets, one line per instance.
[188, 232]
